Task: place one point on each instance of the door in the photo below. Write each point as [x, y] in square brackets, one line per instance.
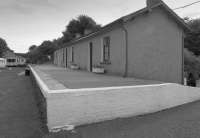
[66, 57]
[90, 56]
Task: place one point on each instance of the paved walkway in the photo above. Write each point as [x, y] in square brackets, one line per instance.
[19, 117]
[82, 79]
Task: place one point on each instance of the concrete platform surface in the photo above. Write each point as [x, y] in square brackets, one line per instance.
[72, 79]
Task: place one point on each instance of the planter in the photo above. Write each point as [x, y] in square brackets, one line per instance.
[74, 67]
[98, 70]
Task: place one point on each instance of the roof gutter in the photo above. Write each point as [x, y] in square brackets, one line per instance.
[125, 50]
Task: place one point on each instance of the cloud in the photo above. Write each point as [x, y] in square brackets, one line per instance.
[35, 3]
[193, 14]
[25, 6]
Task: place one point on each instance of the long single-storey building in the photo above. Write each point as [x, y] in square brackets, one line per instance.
[13, 59]
[146, 44]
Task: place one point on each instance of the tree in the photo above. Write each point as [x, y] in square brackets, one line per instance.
[47, 48]
[42, 53]
[73, 27]
[31, 48]
[67, 36]
[192, 40]
[78, 26]
[85, 22]
[192, 63]
[192, 45]
[3, 46]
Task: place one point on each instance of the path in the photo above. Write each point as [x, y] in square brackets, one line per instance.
[19, 116]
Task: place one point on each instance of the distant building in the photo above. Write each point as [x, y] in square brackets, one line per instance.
[13, 59]
[146, 44]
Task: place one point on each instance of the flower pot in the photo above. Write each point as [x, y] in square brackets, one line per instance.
[98, 70]
[74, 67]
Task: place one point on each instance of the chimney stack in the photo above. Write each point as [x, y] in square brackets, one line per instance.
[151, 3]
[87, 31]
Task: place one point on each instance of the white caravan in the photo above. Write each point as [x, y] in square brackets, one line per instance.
[2, 62]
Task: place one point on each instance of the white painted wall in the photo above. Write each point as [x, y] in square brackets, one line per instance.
[198, 83]
[83, 106]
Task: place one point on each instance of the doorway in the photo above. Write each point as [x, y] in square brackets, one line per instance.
[90, 56]
[66, 57]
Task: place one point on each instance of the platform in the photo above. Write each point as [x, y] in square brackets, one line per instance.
[72, 79]
[75, 98]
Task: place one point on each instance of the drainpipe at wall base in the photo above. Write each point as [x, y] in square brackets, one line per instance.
[183, 60]
[126, 51]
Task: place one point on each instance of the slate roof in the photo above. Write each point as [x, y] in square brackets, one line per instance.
[131, 16]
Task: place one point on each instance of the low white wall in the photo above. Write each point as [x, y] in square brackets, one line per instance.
[198, 83]
[74, 107]
[85, 106]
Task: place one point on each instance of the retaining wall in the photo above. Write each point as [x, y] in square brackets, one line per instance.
[74, 107]
[40, 99]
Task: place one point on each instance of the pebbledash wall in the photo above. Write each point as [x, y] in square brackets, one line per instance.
[154, 48]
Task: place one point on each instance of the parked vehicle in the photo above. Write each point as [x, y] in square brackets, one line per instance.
[2, 62]
[11, 62]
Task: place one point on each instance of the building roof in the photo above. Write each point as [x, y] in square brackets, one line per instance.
[23, 55]
[131, 16]
[11, 54]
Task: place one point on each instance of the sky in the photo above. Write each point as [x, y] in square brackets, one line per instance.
[29, 22]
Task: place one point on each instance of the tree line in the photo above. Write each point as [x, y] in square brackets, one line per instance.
[192, 48]
[3, 46]
[78, 26]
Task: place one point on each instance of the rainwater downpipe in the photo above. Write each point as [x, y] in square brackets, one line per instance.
[126, 50]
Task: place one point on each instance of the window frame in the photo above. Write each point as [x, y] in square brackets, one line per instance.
[72, 54]
[106, 43]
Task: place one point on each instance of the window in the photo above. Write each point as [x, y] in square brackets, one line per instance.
[63, 55]
[106, 49]
[11, 60]
[72, 54]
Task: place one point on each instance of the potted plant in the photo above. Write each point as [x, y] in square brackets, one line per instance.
[98, 69]
[74, 66]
